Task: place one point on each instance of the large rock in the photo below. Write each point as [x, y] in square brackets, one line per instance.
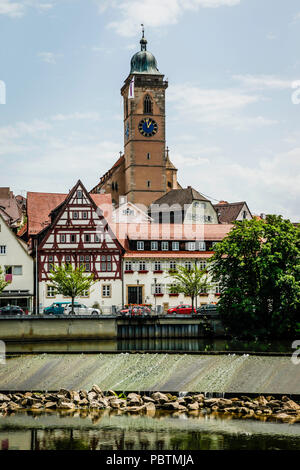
[4, 398]
[92, 396]
[50, 404]
[171, 405]
[97, 390]
[193, 406]
[136, 409]
[147, 399]
[291, 405]
[133, 399]
[159, 397]
[117, 403]
[64, 405]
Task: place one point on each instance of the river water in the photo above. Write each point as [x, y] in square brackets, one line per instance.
[102, 430]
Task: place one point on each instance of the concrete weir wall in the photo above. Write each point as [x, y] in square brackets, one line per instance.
[145, 372]
[38, 329]
[102, 328]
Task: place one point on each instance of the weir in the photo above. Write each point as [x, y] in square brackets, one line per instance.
[106, 327]
[146, 372]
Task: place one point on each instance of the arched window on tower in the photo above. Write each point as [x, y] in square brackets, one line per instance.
[147, 105]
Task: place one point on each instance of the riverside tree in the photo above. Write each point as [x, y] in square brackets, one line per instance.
[71, 282]
[190, 282]
[258, 267]
[3, 282]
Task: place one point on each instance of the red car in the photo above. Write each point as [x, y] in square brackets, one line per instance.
[182, 310]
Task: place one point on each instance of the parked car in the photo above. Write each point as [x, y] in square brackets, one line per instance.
[181, 310]
[135, 311]
[11, 310]
[81, 309]
[207, 309]
[57, 308]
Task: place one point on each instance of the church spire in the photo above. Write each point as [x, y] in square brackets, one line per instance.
[143, 41]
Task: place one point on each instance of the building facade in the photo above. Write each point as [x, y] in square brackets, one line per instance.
[17, 266]
[76, 232]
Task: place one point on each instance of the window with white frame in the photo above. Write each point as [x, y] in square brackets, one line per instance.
[79, 194]
[51, 291]
[142, 266]
[173, 265]
[201, 246]
[84, 215]
[87, 263]
[217, 289]
[191, 246]
[73, 238]
[140, 245]
[202, 264]
[188, 265]
[17, 270]
[157, 288]
[2, 249]
[106, 290]
[62, 238]
[157, 266]
[164, 246]
[175, 246]
[154, 246]
[128, 266]
[75, 215]
[87, 237]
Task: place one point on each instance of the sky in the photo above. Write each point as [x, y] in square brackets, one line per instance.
[233, 102]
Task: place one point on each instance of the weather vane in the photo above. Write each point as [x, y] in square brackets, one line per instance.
[143, 30]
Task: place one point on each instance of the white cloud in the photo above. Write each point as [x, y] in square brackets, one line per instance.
[154, 13]
[12, 9]
[215, 107]
[34, 151]
[271, 186]
[263, 82]
[93, 116]
[16, 9]
[49, 57]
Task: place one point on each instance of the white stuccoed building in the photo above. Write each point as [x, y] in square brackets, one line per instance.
[17, 266]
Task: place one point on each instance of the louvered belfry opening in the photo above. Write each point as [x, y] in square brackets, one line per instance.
[147, 105]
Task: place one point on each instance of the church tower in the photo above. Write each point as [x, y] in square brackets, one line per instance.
[144, 173]
[146, 158]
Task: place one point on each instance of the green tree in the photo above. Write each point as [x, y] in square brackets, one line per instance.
[190, 282]
[3, 283]
[71, 282]
[258, 267]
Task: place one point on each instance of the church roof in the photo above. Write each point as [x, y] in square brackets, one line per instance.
[181, 197]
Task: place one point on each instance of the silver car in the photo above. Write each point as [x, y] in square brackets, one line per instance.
[81, 309]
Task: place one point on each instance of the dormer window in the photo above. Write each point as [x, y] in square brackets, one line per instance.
[147, 105]
[140, 246]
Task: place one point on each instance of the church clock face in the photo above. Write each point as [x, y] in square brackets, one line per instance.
[148, 127]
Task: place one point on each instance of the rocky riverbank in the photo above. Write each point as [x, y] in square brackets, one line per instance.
[266, 407]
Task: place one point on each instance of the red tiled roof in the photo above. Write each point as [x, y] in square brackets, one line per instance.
[207, 232]
[165, 255]
[40, 205]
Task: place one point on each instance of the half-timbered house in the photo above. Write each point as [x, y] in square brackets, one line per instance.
[75, 232]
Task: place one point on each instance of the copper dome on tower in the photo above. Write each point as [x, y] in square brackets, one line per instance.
[143, 61]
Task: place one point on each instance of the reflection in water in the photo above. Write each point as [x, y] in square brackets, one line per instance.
[158, 344]
[103, 430]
